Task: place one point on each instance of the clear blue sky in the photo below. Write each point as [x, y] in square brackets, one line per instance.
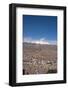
[37, 27]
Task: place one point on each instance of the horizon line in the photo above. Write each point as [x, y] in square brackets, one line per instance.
[40, 43]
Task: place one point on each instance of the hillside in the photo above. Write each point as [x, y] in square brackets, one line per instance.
[39, 58]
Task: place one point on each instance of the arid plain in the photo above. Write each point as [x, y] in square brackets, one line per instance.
[39, 59]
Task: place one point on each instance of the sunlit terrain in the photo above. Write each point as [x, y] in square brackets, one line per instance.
[39, 58]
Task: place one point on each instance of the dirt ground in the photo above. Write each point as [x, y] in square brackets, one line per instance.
[39, 59]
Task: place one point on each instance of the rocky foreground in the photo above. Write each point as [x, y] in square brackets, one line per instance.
[39, 59]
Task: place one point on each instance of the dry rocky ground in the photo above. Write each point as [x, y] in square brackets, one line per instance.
[39, 59]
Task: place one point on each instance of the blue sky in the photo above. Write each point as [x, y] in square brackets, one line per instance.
[40, 29]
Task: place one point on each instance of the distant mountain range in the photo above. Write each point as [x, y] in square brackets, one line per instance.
[33, 43]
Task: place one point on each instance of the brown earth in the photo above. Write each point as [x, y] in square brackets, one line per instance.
[39, 59]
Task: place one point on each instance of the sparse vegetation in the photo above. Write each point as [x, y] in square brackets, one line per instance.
[39, 59]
